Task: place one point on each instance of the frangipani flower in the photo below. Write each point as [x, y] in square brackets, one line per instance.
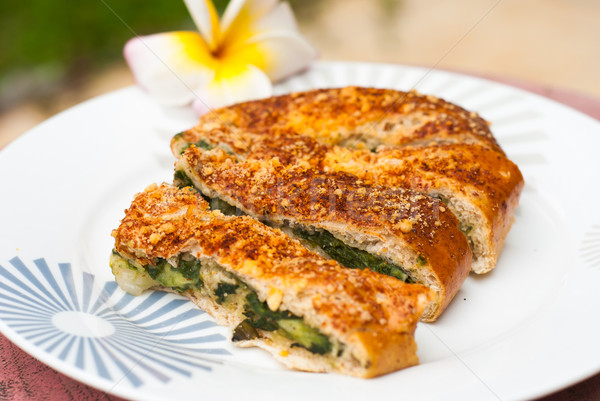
[229, 60]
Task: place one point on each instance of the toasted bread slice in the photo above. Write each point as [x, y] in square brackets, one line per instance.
[308, 312]
[400, 232]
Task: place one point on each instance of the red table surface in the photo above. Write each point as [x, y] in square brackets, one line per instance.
[23, 377]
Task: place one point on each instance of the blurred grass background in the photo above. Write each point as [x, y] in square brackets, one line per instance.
[49, 45]
[54, 54]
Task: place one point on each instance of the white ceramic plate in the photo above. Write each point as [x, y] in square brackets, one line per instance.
[527, 329]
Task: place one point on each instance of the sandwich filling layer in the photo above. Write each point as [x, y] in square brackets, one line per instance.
[208, 279]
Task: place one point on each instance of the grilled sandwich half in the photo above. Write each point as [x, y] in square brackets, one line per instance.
[308, 312]
[481, 186]
[398, 232]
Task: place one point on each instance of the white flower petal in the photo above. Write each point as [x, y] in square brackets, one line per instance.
[279, 18]
[248, 84]
[284, 53]
[170, 66]
[271, 42]
[232, 11]
[251, 9]
[206, 18]
[260, 7]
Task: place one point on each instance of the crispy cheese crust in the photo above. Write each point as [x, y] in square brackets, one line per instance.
[373, 314]
[342, 203]
[356, 117]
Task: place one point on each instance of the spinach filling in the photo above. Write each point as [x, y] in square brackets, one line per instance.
[224, 207]
[257, 313]
[465, 228]
[259, 316]
[182, 180]
[352, 257]
[186, 276]
[223, 290]
[202, 144]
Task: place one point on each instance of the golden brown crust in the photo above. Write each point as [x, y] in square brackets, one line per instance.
[387, 348]
[365, 117]
[363, 308]
[488, 179]
[271, 190]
